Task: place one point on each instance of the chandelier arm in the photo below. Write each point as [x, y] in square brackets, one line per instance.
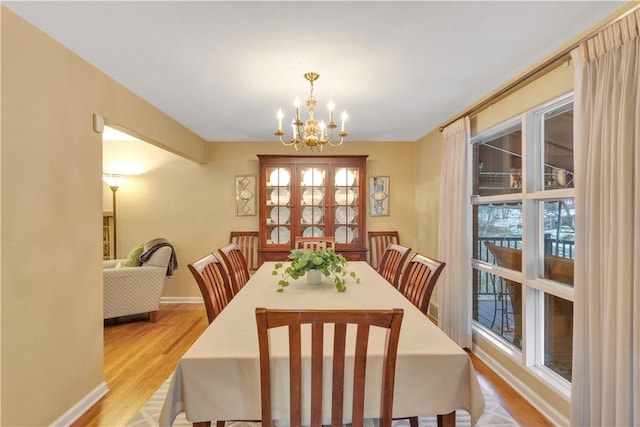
[338, 143]
[288, 144]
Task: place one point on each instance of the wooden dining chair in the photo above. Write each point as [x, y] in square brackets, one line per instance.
[247, 241]
[213, 281]
[267, 319]
[392, 261]
[417, 284]
[378, 242]
[419, 279]
[315, 243]
[236, 266]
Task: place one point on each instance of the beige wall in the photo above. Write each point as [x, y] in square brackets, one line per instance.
[551, 85]
[51, 190]
[427, 193]
[192, 205]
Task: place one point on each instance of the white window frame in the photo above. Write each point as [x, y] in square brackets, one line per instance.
[532, 199]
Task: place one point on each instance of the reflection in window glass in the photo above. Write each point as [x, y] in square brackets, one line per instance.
[559, 237]
[496, 224]
[559, 227]
[497, 305]
[558, 148]
[497, 164]
[558, 333]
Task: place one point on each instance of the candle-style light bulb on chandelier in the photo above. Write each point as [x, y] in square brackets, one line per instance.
[313, 133]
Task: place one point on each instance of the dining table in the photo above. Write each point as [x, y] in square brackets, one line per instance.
[218, 377]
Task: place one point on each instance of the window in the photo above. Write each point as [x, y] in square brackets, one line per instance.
[523, 237]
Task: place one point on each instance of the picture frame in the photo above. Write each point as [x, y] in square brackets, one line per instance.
[379, 191]
[245, 195]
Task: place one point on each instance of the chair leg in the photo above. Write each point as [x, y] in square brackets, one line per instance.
[447, 420]
[208, 424]
[413, 421]
[153, 315]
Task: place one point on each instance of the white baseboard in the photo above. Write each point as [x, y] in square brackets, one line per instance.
[548, 411]
[181, 300]
[77, 410]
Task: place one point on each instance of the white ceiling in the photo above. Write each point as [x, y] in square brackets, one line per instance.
[400, 69]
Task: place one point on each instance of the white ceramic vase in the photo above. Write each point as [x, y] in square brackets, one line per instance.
[314, 277]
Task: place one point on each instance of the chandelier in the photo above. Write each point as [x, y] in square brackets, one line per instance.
[312, 132]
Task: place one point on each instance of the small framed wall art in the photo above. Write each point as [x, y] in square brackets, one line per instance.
[379, 190]
[245, 195]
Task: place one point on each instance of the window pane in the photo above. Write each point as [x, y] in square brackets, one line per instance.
[558, 148]
[559, 235]
[497, 165]
[497, 305]
[558, 335]
[497, 226]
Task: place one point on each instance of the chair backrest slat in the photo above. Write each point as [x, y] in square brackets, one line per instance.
[315, 243]
[363, 320]
[317, 347]
[339, 346]
[359, 374]
[295, 377]
[392, 262]
[236, 266]
[419, 279]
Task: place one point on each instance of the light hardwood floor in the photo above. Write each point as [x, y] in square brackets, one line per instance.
[140, 355]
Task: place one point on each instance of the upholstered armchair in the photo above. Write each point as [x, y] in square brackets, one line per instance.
[133, 290]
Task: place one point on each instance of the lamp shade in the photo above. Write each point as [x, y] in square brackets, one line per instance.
[114, 180]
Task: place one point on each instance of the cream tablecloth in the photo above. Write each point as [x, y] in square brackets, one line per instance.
[218, 377]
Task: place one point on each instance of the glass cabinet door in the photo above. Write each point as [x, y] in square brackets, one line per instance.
[312, 196]
[312, 201]
[346, 197]
[278, 206]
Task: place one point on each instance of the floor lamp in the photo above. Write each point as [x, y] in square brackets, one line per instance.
[114, 181]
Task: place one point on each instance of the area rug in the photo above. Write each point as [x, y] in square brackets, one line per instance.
[494, 414]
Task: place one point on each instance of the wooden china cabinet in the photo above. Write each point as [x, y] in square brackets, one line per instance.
[312, 196]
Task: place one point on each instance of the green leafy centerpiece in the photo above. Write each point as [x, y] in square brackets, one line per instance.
[328, 263]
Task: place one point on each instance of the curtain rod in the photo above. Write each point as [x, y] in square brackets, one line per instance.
[548, 65]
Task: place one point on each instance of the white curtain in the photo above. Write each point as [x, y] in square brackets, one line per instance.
[606, 343]
[454, 236]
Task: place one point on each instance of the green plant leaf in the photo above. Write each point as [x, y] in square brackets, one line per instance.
[327, 262]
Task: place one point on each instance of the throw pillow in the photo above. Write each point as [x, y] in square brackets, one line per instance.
[133, 260]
